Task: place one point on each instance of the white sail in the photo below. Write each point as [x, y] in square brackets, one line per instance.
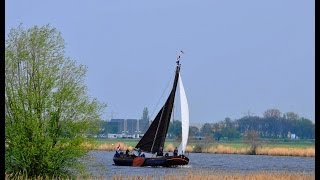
[184, 118]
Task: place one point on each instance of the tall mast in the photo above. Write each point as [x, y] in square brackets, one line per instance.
[155, 136]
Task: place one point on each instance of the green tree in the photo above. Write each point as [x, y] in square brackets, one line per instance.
[175, 129]
[227, 122]
[206, 129]
[292, 116]
[193, 131]
[47, 110]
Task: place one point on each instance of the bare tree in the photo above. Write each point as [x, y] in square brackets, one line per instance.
[272, 113]
[252, 138]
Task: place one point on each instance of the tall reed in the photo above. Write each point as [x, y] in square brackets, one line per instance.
[219, 149]
[194, 175]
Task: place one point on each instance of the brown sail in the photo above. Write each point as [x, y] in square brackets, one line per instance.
[155, 136]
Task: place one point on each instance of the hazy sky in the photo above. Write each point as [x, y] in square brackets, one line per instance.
[240, 56]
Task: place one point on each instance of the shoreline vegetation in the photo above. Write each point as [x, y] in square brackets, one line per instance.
[213, 175]
[215, 148]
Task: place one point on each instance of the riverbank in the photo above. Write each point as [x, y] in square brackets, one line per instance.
[224, 175]
[198, 175]
[274, 149]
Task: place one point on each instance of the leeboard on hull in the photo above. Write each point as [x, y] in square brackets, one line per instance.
[157, 161]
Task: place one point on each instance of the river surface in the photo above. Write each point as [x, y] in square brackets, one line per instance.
[100, 163]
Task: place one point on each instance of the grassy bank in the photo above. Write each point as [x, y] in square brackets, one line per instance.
[199, 175]
[298, 148]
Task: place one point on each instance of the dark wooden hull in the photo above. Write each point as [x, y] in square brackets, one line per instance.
[165, 161]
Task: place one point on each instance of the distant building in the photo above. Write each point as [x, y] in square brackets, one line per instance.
[127, 128]
[113, 127]
[114, 136]
[292, 135]
[121, 124]
[143, 125]
[131, 126]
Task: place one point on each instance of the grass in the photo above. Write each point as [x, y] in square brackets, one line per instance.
[296, 148]
[199, 175]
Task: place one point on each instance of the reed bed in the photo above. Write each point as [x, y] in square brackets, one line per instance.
[280, 151]
[106, 147]
[218, 149]
[169, 148]
[274, 151]
[196, 176]
[250, 176]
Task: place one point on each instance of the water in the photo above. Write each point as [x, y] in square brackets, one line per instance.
[100, 163]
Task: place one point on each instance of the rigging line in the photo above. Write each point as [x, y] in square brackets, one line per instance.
[154, 109]
[154, 139]
[161, 97]
[159, 125]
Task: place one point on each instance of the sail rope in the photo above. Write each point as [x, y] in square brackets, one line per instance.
[165, 90]
[158, 124]
[161, 97]
[155, 136]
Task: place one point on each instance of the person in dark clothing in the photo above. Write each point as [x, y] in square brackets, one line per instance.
[118, 151]
[127, 152]
[175, 152]
[160, 152]
[117, 154]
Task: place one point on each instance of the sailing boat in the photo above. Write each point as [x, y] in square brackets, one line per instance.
[153, 140]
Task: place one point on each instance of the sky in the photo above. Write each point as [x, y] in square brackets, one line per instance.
[241, 57]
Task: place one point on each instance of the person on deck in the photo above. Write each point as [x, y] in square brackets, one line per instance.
[175, 152]
[127, 152]
[139, 152]
[117, 154]
[160, 152]
[118, 151]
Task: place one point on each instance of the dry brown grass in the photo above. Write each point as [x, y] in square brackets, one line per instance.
[106, 147]
[201, 176]
[282, 151]
[169, 148]
[275, 151]
[220, 149]
[222, 175]
[87, 146]
[189, 148]
[113, 147]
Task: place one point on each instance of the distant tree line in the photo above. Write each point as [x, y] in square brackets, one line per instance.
[273, 124]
